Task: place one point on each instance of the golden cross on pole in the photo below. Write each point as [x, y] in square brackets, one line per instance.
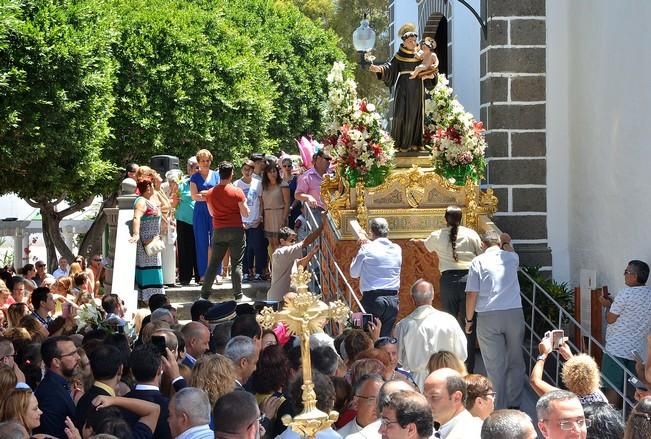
[305, 315]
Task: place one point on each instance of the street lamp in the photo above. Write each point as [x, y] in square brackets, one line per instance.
[363, 41]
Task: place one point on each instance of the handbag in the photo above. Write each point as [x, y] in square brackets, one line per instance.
[155, 246]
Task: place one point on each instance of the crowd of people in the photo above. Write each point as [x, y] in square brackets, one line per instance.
[222, 375]
[214, 225]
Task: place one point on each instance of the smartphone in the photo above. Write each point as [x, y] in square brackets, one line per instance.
[638, 384]
[159, 343]
[557, 336]
[366, 319]
[637, 356]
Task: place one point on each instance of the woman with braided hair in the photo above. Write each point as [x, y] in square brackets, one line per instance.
[456, 246]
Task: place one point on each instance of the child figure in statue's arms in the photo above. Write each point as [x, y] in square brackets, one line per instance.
[429, 67]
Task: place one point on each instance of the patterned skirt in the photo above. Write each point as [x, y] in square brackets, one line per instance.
[149, 271]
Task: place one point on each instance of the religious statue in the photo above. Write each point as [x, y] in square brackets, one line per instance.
[408, 94]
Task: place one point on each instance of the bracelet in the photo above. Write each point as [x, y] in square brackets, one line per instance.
[468, 321]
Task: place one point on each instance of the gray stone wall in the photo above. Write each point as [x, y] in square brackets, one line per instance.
[513, 101]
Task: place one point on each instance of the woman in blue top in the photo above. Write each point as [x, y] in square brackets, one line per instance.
[184, 228]
[200, 183]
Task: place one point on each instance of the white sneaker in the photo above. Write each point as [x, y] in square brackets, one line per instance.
[219, 280]
[244, 299]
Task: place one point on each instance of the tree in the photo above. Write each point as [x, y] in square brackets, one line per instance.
[185, 82]
[56, 79]
[87, 86]
[298, 54]
[348, 14]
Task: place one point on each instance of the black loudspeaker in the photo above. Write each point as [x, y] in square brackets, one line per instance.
[164, 163]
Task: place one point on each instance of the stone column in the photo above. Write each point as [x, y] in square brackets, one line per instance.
[513, 101]
[19, 245]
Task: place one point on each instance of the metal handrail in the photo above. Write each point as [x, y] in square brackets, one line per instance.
[565, 317]
[326, 253]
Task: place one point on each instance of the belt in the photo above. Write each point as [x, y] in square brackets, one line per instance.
[380, 293]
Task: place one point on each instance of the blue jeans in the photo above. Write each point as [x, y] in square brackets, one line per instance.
[228, 238]
[383, 304]
[256, 250]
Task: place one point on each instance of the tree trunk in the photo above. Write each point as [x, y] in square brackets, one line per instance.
[52, 236]
[51, 231]
[92, 242]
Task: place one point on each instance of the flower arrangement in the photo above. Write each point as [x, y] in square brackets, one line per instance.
[456, 139]
[361, 147]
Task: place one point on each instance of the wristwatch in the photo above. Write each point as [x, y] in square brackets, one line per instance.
[541, 357]
[468, 321]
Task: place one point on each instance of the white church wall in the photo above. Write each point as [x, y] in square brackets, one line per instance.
[466, 34]
[606, 170]
[558, 138]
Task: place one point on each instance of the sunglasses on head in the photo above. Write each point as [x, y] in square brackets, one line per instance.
[383, 341]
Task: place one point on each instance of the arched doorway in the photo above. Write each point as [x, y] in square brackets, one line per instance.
[434, 20]
[436, 28]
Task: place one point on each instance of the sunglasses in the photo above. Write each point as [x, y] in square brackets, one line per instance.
[383, 341]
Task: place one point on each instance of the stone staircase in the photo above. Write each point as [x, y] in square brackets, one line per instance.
[183, 297]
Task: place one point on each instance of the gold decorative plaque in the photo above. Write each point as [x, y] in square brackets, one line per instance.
[412, 200]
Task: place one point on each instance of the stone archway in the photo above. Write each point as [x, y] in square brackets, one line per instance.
[434, 20]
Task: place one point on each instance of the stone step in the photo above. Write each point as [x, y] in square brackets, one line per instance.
[183, 297]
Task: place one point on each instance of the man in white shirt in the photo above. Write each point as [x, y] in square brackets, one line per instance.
[426, 331]
[446, 391]
[189, 414]
[629, 322]
[406, 415]
[561, 416]
[377, 265]
[493, 292]
[63, 269]
[256, 248]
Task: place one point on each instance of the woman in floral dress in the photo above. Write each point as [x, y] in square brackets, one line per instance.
[146, 226]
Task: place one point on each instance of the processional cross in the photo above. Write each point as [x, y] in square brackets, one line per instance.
[305, 315]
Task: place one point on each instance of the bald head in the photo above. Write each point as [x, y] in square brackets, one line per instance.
[446, 391]
[197, 338]
[422, 292]
[388, 389]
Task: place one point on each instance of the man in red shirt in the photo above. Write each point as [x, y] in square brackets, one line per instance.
[227, 205]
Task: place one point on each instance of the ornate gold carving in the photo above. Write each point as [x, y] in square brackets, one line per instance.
[393, 197]
[362, 213]
[305, 315]
[424, 194]
[335, 195]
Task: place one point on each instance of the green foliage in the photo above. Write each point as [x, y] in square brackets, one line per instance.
[348, 14]
[56, 79]
[298, 55]
[186, 81]
[560, 292]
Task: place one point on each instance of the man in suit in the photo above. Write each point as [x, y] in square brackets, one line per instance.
[107, 371]
[242, 351]
[446, 391]
[145, 361]
[61, 359]
[197, 341]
